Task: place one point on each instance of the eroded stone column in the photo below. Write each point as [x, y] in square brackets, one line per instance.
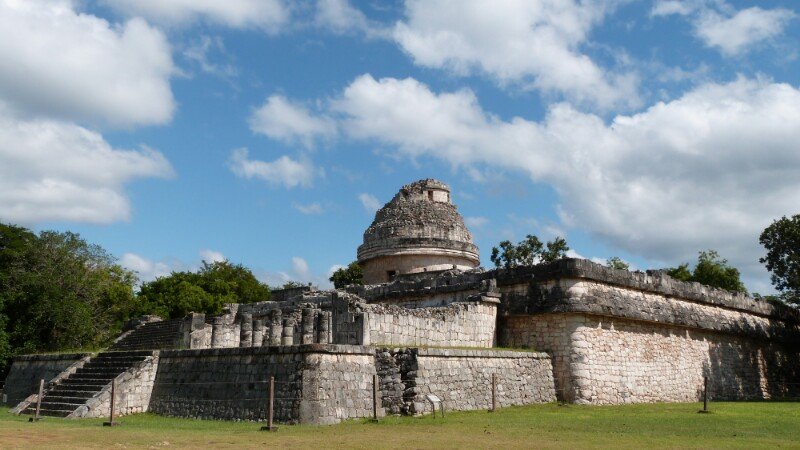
[246, 335]
[275, 327]
[218, 332]
[307, 324]
[287, 337]
[258, 333]
[324, 327]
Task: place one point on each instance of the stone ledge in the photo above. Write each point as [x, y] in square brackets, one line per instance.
[293, 349]
[650, 281]
[476, 353]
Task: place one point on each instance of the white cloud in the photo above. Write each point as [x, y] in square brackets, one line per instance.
[311, 208]
[369, 202]
[708, 170]
[52, 170]
[284, 120]
[61, 63]
[747, 28]
[267, 15]
[147, 269]
[340, 17]
[200, 52]
[719, 25]
[533, 44]
[211, 256]
[283, 171]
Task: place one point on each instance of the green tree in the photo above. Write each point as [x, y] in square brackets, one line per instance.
[711, 270]
[204, 291]
[344, 276]
[60, 292]
[782, 241]
[615, 262]
[528, 252]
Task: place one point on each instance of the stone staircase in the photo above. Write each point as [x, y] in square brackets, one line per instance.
[74, 391]
[151, 336]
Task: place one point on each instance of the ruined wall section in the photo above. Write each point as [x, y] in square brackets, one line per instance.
[456, 325]
[461, 378]
[615, 342]
[316, 384]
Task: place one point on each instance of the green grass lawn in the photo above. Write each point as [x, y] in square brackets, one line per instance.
[664, 425]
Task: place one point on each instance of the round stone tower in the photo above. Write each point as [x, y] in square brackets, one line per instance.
[418, 231]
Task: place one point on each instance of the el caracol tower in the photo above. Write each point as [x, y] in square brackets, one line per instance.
[419, 230]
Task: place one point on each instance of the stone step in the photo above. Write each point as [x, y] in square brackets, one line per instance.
[72, 393]
[61, 404]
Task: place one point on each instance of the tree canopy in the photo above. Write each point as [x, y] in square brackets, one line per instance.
[782, 241]
[58, 292]
[203, 291]
[344, 276]
[527, 252]
[711, 270]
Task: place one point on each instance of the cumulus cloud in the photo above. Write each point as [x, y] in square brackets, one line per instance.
[369, 202]
[211, 256]
[53, 170]
[147, 269]
[708, 170]
[267, 15]
[58, 62]
[287, 121]
[283, 171]
[732, 32]
[340, 17]
[532, 44]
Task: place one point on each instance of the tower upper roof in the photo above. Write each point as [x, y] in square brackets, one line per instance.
[420, 215]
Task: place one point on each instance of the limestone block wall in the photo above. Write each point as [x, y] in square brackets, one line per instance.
[462, 378]
[26, 371]
[314, 383]
[456, 325]
[133, 391]
[606, 360]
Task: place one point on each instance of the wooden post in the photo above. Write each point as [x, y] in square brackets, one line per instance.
[494, 392]
[36, 417]
[270, 406]
[111, 422]
[375, 398]
[705, 396]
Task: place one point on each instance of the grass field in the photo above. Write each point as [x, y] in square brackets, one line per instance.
[650, 426]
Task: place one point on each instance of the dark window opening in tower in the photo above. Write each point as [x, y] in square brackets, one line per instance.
[430, 195]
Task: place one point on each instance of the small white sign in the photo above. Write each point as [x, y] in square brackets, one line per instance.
[433, 399]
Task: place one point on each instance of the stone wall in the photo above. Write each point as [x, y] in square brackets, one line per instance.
[461, 378]
[456, 325]
[614, 343]
[315, 383]
[26, 371]
[607, 360]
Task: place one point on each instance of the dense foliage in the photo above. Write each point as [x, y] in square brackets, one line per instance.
[204, 291]
[527, 252]
[782, 241]
[344, 276]
[711, 270]
[58, 292]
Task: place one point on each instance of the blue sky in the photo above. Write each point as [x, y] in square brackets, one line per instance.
[268, 132]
